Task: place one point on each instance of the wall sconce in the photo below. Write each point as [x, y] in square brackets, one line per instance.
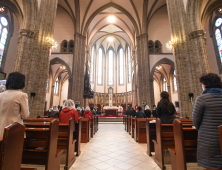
[63, 67]
[2, 9]
[52, 42]
[171, 44]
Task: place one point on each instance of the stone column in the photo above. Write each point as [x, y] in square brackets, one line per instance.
[33, 52]
[189, 53]
[144, 79]
[51, 96]
[77, 79]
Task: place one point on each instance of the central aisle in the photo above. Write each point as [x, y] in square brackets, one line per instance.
[112, 148]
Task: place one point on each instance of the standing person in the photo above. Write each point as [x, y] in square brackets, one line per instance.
[92, 110]
[154, 111]
[140, 113]
[207, 116]
[54, 112]
[68, 112]
[129, 112]
[87, 113]
[147, 111]
[13, 102]
[82, 111]
[165, 109]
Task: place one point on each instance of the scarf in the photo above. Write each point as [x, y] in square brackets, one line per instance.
[213, 91]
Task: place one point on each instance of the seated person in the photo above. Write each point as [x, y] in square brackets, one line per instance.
[154, 111]
[140, 113]
[54, 113]
[68, 112]
[92, 110]
[147, 111]
[87, 113]
[79, 111]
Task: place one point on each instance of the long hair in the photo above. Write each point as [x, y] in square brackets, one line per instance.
[165, 99]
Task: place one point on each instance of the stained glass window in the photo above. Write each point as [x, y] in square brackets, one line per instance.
[100, 66]
[92, 65]
[129, 65]
[56, 88]
[3, 36]
[174, 81]
[110, 67]
[121, 66]
[218, 31]
[165, 85]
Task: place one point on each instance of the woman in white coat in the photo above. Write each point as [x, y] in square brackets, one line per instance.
[13, 102]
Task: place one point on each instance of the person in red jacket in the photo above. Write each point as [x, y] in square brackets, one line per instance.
[68, 112]
[87, 113]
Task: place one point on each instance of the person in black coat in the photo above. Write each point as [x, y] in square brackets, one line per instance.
[129, 112]
[165, 109]
[134, 112]
[140, 113]
[92, 110]
[147, 111]
[154, 111]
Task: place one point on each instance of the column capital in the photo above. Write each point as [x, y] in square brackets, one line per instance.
[196, 34]
[27, 33]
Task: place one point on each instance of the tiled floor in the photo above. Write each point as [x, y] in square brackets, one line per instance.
[114, 149]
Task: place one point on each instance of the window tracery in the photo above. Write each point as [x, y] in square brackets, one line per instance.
[92, 65]
[100, 66]
[158, 47]
[71, 46]
[121, 67]
[110, 67]
[56, 86]
[174, 81]
[218, 36]
[151, 47]
[165, 85]
[129, 64]
[64, 46]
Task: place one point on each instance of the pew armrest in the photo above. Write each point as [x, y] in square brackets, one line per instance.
[28, 169]
[172, 150]
[74, 141]
[59, 152]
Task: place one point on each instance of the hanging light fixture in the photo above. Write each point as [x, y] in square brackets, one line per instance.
[111, 19]
[2, 9]
[158, 67]
[220, 10]
[171, 44]
[53, 43]
[110, 39]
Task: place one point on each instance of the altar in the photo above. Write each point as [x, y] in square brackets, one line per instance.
[112, 111]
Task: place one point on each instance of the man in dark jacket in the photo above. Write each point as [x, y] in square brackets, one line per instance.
[93, 112]
[154, 111]
[140, 113]
[129, 112]
[134, 112]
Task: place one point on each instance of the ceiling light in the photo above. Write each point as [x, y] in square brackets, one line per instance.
[158, 67]
[111, 19]
[110, 39]
[64, 67]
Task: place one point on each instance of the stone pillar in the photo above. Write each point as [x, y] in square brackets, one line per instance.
[77, 80]
[144, 79]
[51, 96]
[189, 53]
[33, 51]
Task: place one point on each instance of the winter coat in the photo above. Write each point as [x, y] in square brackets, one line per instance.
[166, 115]
[87, 114]
[140, 114]
[207, 116]
[129, 112]
[154, 113]
[147, 113]
[67, 114]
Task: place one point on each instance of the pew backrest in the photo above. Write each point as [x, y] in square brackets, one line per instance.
[12, 146]
[220, 135]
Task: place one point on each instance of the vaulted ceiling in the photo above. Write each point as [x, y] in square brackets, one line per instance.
[94, 23]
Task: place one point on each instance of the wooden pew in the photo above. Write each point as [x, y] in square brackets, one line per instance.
[141, 130]
[92, 127]
[40, 147]
[85, 131]
[77, 136]
[11, 146]
[97, 122]
[65, 138]
[135, 130]
[150, 135]
[129, 124]
[40, 119]
[185, 146]
[165, 139]
[125, 120]
[132, 126]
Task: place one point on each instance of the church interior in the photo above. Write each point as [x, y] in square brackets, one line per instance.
[112, 55]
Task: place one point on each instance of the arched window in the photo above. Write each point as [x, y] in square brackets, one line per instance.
[3, 36]
[71, 46]
[174, 81]
[64, 46]
[100, 67]
[218, 33]
[56, 86]
[165, 85]
[121, 67]
[92, 65]
[151, 47]
[129, 65]
[110, 67]
[158, 47]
